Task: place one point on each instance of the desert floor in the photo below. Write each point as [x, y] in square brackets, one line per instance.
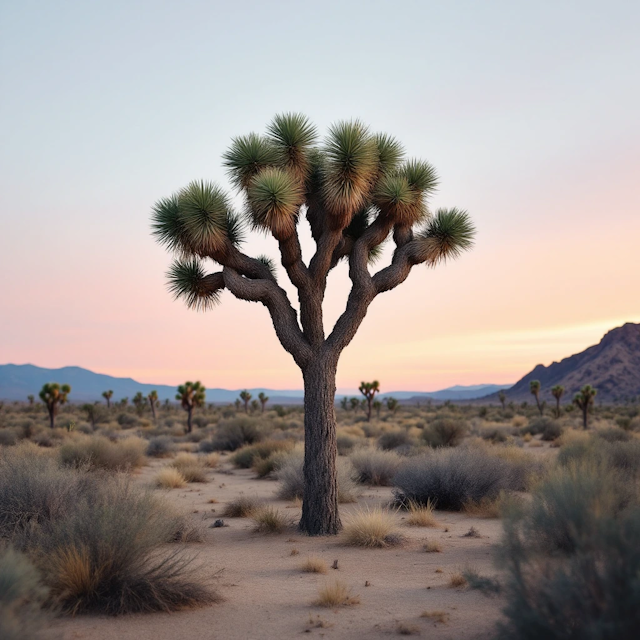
[266, 595]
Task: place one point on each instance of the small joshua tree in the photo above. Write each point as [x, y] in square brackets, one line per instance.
[93, 412]
[584, 402]
[107, 395]
[245, 396]
[377, 406]
[31, 398]
[502, 396]
[344, 403]
[191, 395]
[354, 403]
[356, 190]
[54, 395]
[153, 403]
[139, 401]
[263, 400]
[237, 404]
[557, 392]
[534, 387]
[392, 404]
[369, 390]
[124, 402]
[254, 405]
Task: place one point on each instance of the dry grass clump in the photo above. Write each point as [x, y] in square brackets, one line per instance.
[270, 520]
[170, 478]
[191, 467]
[457, 581]
[421, 515]
[313, 564]
[432, 546]
[445, 432]
[371, 528]
[336, 594]
[211, 460]
[98, 541]
[436, 616]
[160, 447]
[406, 629]
[98, 452]
[248, 456]
[374, 466]
[242, 507]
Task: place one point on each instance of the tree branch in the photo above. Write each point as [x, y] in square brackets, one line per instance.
[283, 315]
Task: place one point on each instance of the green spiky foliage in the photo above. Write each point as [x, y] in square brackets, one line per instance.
[354, 403]
[534, 388]
[584, 401]
[190, 396]
[107, 395]
[263, 400]
[356, 190]
[392, 404]
[502, 396]
[53, 395]
[557, 392]
[245, 397]
[139, 402]
[152, 398]
[369, 390]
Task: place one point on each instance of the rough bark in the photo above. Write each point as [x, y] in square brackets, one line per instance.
[52, 415]
[320, 503]
[189, 416]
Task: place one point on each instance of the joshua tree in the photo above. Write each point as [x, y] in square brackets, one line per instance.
[369, 390]
[53, 394]
[107, 396]
[139, 401]
[237, 404]
[392, 404]
[245, 396]
[557, 392]
[377, 405]
[584, 402]
[31, 398]
[534, 387]
[153, 403]
[502, 396]
[93, 413]
[190, 395]
[254, 405]
[355, 190]
[263, 400]
[167, 403]
[354, 403]
[344, 403]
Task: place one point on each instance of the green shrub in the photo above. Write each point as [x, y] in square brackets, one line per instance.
[445, 432]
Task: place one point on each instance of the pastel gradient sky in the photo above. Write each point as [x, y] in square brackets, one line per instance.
[529, 110]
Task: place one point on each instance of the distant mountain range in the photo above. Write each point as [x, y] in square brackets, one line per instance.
[612, 367]
[17, 381]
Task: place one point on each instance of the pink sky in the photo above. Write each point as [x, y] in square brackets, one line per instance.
[531, 121]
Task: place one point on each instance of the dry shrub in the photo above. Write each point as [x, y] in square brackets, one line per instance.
[98, 452]
[236, 432]
[406, 629]
[457, 581]
[170, 478]
[270, 520]
[445, 432]
[486, 508]
[394, 439]
[248, 456]
[371, 528]
[191, 467]
[336, 594]
[313, 564]
[160, 447]
[242, 507]
[211, 460]
[421, 515]
[374, 466]
[436, 616]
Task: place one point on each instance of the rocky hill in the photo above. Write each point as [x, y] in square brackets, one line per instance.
[612, 366]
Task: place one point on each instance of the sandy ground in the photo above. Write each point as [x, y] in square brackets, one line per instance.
[265, 595]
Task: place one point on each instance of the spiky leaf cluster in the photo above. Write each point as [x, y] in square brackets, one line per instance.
[188, 281]
[191, 394]
[446, 235]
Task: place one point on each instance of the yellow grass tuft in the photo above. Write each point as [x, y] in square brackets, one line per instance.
[269, 520]
[242, 507]
[313, 564]
[421, 515]
[72, 572]
[485, 508]
[371, 528]
[190, 466]
[336, 594]
[211, 460]
[170, 478]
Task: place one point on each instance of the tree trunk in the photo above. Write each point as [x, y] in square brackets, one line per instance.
[585, 413]
[108, 403]
[320, 502]
[52, 415]
[153, 409]
[369, 400]
[189, 416]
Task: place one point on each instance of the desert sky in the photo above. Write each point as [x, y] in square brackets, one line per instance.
[529, 111]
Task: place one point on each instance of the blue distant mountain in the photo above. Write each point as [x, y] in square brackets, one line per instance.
[17, 381]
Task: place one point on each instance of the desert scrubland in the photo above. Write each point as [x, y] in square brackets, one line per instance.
[458, 522]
